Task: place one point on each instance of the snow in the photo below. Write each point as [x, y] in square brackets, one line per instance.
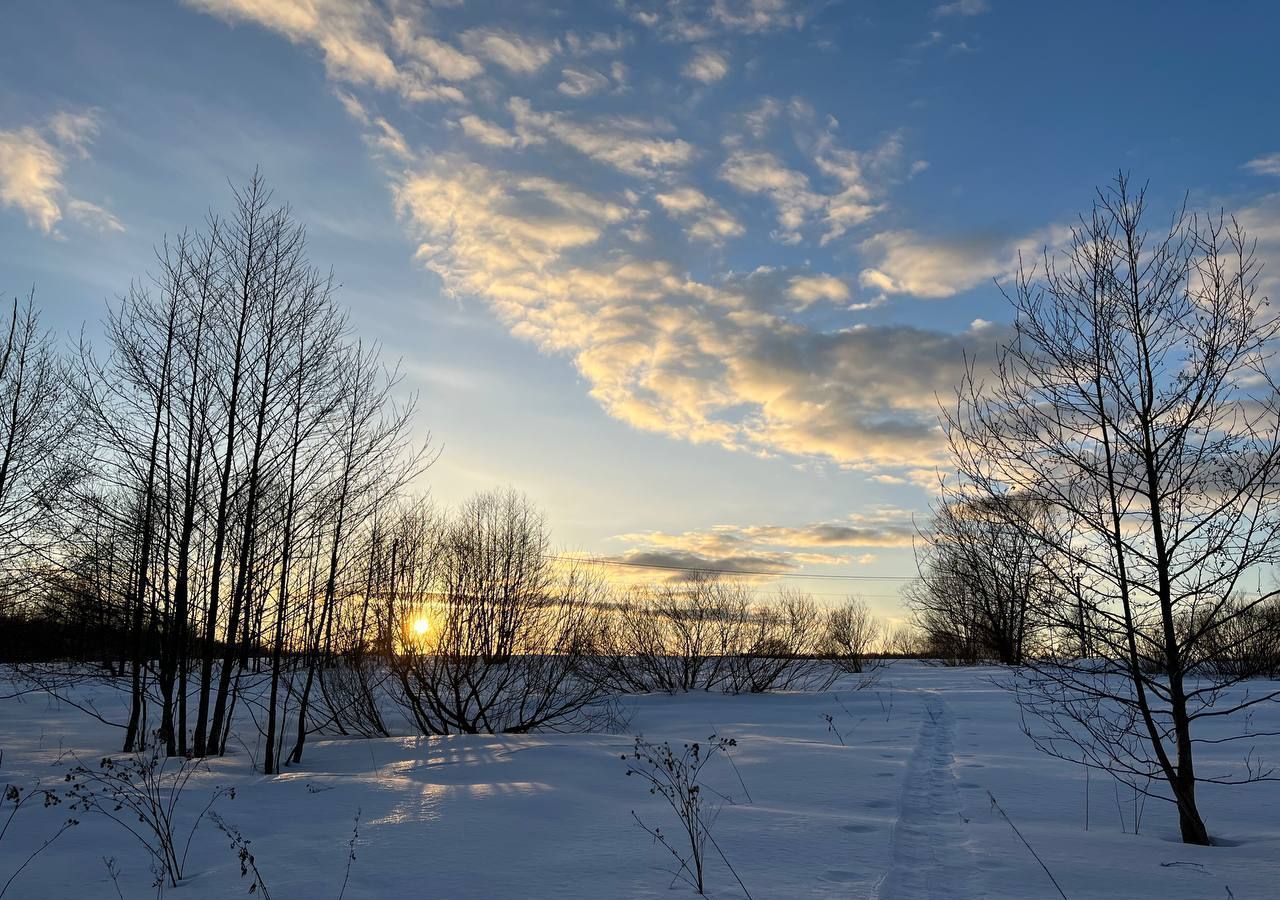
[899, 812]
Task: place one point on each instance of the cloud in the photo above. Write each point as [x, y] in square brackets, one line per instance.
[74, 130]
[627, 145]
[707, 66]
[33, 162]
[855, 202]
[344, 32]
[962, 8]
[486, 132]
[700, 361]
[1264, 165]
[595, 42]
[737, 360]
[31, 177]
[772, 548]
[809, 289]
[761, 172]
[581, 82]
[387, 139]
[515, 53]
[706, 219]
[676, 20]
[797, 202]
[93, 216]
[828, 184]
[441, 58]
[749, 564]
[756, 15]
[1261, 222]
[355, 39]
[904, 262]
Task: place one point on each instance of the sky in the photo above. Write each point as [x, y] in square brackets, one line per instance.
[694, 276]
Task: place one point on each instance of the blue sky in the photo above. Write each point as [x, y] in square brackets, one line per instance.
[690, 274]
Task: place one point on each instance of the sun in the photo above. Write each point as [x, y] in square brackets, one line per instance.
[420, 626]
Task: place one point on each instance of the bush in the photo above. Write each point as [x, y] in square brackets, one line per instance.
[143, 794]
[676, 777]
[497, 638]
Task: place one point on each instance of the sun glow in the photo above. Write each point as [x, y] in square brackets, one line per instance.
[420, 626]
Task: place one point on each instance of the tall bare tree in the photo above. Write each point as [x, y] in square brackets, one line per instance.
[1136, 405]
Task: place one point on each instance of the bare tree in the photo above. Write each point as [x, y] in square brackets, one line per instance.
[1134, 404]
[372, 459]
[776, 646]
[852, 635]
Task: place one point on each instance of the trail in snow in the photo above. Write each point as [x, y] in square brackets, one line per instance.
[929, 854]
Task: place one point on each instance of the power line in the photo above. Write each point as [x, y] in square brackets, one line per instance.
[766, 592]
[713, 571]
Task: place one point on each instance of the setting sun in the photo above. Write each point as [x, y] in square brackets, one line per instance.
[420, 626]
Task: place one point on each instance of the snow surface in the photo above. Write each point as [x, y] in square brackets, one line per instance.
[900, 811]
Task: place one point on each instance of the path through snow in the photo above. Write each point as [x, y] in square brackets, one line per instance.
[929, 848]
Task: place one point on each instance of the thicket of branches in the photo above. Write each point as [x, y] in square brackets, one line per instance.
[504, 631]
[982, 589]
[711, 634]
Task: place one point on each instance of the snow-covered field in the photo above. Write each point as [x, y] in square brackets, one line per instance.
[900, 811]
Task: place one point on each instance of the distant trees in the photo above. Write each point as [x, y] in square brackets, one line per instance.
[983, 586]
[707, 633]
[1130, 432]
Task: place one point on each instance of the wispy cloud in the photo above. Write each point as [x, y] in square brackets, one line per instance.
[581, 82]
[554, 230]
[700, 361]
[486, 132]
[762, 172]
[33, 163]
[345, 33]
[676, 20]
[781, 549]
[962, 8]
[1261, 221]
[707, 66]
[798, 202]
[516, 53]
[356, 40]
[440, 58]
[1264, 165]
[626, 144]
